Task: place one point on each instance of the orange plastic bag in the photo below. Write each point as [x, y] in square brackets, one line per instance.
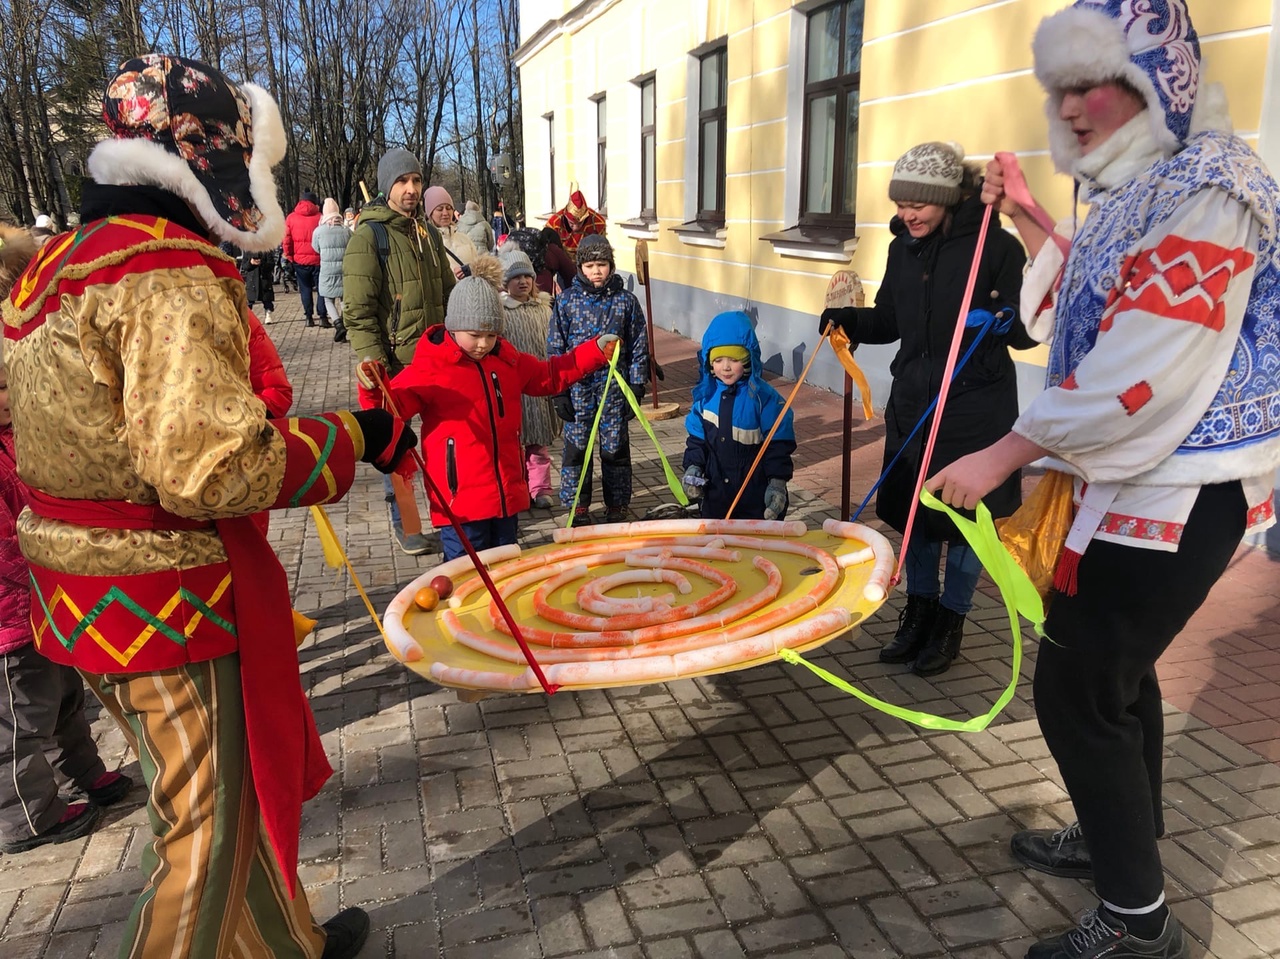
[1036, 533]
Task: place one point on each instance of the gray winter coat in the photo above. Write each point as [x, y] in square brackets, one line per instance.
[477, 229]
[331, 243]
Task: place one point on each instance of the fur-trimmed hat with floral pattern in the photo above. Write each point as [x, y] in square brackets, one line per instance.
[183, 126]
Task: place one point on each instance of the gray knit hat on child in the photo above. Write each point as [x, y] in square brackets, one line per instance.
[928, 173]
[515, 263]
[474, 306]
[395, 163]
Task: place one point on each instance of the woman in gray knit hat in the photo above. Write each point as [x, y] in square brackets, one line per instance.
[939, 216]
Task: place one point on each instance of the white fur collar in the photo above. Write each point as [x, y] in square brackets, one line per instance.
[1119, 158]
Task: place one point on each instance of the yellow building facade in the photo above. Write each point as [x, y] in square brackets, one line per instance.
[749, 143]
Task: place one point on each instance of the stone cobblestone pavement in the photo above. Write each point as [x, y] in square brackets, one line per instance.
[759, 813]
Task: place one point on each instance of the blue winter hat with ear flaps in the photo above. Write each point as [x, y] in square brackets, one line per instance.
[1149, 44]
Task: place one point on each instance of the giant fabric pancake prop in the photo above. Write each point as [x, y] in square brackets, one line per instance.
[635, 603]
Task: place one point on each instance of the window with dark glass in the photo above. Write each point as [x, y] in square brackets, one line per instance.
[551, 154]
[601, 162]
[648, 151]
[712, 96]
[833, 67]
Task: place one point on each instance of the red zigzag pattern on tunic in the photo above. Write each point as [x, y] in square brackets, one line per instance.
[1182, 280]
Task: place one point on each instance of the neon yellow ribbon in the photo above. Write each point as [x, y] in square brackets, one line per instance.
[672, 480]
[1019, 597]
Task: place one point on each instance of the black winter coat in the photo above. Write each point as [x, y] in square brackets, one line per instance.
[918, 304]
[258, 278]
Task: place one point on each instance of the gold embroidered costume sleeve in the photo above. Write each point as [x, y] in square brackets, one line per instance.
[194, 429]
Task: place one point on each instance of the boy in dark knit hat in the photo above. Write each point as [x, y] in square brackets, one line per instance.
[471, 424]
[596, 303]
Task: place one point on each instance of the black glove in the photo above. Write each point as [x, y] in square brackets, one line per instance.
[845, 317]
[638, 390]
[564, 407]
[386, 439]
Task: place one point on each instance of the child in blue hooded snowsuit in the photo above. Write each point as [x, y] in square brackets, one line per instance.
[733, 411]
[594, 304]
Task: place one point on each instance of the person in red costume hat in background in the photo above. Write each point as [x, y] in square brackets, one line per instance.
[174, 608]
[575, 221]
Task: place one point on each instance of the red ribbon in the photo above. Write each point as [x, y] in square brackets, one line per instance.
[434, 491]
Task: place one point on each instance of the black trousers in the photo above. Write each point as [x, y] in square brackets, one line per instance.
[1097, 697]
[43, 732]
[615, 473]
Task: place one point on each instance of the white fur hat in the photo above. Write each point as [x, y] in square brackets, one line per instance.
[184, 127]
[1149, 44]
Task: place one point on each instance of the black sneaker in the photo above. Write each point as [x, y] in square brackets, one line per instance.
[110, 788]
[1059, 852]
[1102, 937]
[616, 514]
[75, 827]
[582, 516]
[345, 934]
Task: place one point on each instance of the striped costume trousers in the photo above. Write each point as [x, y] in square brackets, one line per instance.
[213, 887]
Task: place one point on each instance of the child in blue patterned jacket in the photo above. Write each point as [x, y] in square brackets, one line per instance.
[596, 303]
[733, 411]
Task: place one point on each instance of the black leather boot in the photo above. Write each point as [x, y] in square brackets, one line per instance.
[914, 623]
[943, 646]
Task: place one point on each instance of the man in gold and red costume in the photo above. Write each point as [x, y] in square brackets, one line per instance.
[575, 221]
[146, 453]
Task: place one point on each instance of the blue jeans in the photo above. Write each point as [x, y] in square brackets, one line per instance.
[963, 570]
[483, 533]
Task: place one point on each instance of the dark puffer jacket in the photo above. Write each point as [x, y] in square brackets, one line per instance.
[918, 305]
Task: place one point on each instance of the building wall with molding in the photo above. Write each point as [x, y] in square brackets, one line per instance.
[943, 70]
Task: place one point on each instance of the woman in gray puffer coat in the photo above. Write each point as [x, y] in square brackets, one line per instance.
[476, 227]
[330, 241]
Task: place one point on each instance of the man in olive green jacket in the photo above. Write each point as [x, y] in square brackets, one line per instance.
[387, 306]
[388, 302]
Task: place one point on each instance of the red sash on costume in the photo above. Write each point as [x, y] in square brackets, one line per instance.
[285, 754]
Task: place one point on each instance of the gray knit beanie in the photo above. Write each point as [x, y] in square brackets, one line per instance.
[594, 249]
[395, 163]
[928, 173]
[474, 306]
[515, 263]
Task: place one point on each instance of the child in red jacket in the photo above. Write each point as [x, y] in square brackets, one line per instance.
[42, 721]
[466, 383]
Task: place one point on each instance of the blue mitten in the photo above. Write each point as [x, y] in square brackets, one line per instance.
[775, 499]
